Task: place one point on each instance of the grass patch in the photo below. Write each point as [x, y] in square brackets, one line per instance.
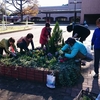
[8, 29]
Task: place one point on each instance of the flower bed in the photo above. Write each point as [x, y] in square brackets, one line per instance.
[27, 66]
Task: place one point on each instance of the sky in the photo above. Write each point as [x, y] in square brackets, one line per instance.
[52, 2]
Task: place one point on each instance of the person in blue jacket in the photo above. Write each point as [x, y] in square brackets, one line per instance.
[96, 43]
[78, 50]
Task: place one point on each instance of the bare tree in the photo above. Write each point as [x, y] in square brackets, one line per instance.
[2, 8]
[21, 6]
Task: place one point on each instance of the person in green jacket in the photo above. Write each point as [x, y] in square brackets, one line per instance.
[5, 44]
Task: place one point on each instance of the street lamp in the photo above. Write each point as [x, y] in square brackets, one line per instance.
[75, 2]
[27, 17]
[4, 21]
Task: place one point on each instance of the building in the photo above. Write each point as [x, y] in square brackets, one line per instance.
[62, 14]
[90, 11]
[75, 10]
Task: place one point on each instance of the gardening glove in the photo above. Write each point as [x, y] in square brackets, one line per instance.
[61, 52]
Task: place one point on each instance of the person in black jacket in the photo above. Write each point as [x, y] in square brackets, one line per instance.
[79, 31]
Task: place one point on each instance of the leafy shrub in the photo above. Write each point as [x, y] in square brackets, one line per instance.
[69, 73]
[33, 59]
[56, 39]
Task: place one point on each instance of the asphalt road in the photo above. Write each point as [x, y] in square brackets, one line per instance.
[36, 30]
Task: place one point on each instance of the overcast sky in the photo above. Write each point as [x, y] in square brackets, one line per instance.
[52, 2]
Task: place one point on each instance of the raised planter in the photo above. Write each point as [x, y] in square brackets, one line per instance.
[66, 73]
[30, 74]
[2, 70]
[38, 75]
[7, 71]
[15, 72]
[24, 73]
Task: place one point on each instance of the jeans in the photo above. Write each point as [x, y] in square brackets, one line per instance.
[96, 60]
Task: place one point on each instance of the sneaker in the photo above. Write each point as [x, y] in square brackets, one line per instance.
[95, 76]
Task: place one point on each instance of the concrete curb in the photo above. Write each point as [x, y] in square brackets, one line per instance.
[15, 31]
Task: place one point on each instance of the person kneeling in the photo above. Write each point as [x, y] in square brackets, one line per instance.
[77, 49]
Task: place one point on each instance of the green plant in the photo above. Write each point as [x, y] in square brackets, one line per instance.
[56, 39]
[69, 73]
[86, 98]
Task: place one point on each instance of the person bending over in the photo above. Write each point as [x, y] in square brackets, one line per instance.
[45, 35]
[80, 32]
[24, 42]
[5, 44]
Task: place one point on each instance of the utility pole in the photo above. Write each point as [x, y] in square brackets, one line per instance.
[75, 2]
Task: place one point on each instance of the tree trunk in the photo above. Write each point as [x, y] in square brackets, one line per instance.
[21, 10]
[21, 17]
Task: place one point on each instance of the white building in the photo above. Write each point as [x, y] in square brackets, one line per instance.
[65, 13]
[76, 10]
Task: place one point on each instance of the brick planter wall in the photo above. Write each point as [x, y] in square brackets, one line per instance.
[24, 73]
[2, 70]
[30, 74]
[7, 71]
[15, 72]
